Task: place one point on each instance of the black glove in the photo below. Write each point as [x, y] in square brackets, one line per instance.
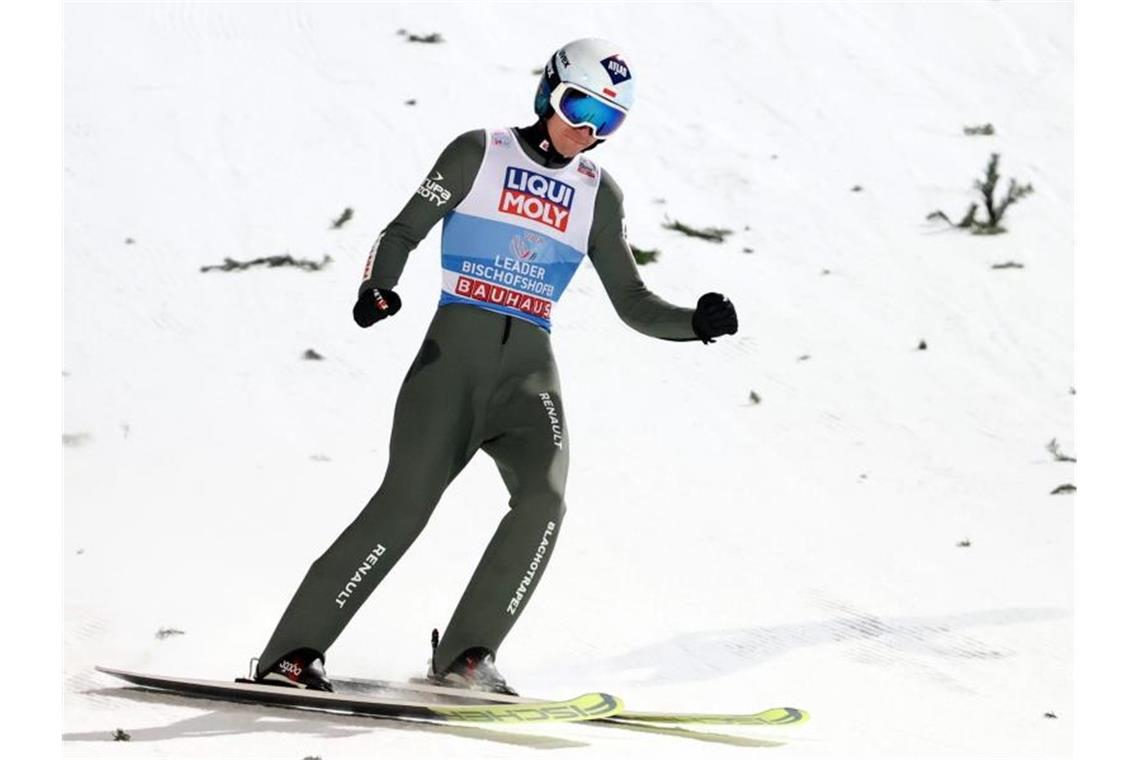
[375, 304]
[715, 315]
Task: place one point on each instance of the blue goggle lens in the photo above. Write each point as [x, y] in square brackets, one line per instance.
[580, 107]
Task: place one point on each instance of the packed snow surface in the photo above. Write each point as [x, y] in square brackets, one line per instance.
[813, 512]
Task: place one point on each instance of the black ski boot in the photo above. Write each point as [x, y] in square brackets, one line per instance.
[300, 669]
[474, 669]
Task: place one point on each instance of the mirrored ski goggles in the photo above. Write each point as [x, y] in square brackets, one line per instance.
[579, 108]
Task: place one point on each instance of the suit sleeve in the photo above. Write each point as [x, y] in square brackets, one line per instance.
[635, 304]
[444, 187]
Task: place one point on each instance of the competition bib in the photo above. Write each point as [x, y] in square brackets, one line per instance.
[513, 244]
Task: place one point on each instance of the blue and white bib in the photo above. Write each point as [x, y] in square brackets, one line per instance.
[514, 242]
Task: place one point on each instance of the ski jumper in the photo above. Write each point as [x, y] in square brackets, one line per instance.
[518, 221]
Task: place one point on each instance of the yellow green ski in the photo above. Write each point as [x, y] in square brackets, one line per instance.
[775, 716]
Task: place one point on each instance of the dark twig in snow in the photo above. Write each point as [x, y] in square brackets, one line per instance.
[644, 256]
[1054, 448]
[712, 234]
[270, 261]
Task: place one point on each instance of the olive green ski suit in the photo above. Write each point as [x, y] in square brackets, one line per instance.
[481, 380]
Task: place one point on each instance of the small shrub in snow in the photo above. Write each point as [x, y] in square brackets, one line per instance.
[1063, 488]
[984, 129]
[1008, 265]
[166, 633]
[964, 544]
[120, 735]
[270, 261]
[712, 234]
[754, 397]
[1054, 448]
[344, 215]
[643, 256]
[311, 355]
[431, 39]
[995, 209]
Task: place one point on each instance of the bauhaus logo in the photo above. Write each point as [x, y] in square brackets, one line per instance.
[536, 197]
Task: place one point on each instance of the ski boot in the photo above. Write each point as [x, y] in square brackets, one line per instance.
[300, 669]
[474, 669]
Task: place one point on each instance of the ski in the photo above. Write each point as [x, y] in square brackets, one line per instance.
[774, 716]
[586, 707]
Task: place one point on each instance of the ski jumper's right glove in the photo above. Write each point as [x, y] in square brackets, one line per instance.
[375, 304]
[715, 315]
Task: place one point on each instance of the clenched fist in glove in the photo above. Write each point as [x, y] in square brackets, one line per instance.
[375, 304]
[715, 315]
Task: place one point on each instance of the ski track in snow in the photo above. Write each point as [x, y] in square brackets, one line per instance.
[874, 541]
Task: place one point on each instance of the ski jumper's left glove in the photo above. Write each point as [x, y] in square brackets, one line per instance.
[715, 315]
[375, 304]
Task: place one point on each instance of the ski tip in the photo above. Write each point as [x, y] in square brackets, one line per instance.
[773, 716]
[781, 716]
[612, 704]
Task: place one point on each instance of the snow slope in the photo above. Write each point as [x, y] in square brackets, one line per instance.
[717, 554]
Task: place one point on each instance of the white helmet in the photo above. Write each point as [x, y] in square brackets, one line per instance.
[587, 83]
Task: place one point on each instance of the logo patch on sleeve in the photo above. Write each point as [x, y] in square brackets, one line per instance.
[432, 190]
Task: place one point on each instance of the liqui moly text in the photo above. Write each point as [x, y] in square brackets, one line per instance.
[536, 197]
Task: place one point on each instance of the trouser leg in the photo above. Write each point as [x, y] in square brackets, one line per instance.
[531, 449]
[431, 442]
